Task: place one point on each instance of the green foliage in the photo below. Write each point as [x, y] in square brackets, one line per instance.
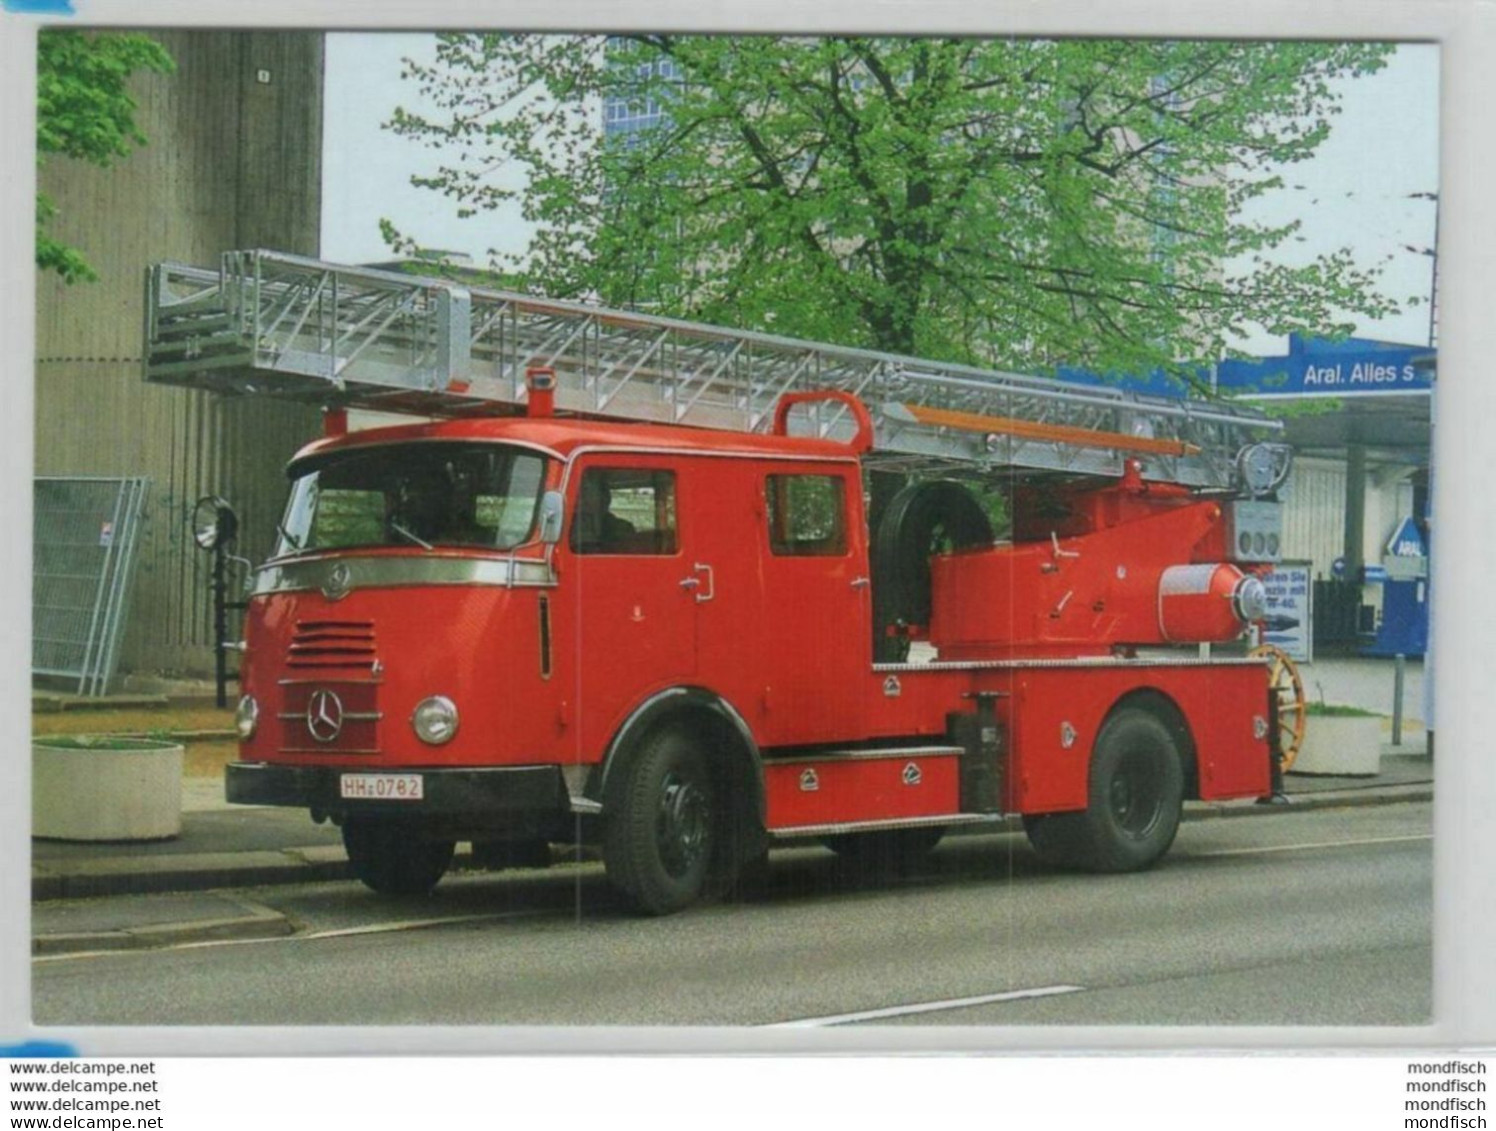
[84, 111]
[1019, 203]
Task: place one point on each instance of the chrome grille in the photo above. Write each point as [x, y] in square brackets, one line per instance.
[318, 644]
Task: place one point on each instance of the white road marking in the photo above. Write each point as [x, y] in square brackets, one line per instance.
[1319, 844]
[415, 924]
[922, 1007]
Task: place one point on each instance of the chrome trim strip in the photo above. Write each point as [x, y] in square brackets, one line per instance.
[324, 750]
[348, 716]
[585, 807]
[790, 831]
[344, 681]
[886, 754]
[1089, 662]
[404, 570]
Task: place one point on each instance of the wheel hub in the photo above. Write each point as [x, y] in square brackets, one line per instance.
[681, 825]
[1134, 796]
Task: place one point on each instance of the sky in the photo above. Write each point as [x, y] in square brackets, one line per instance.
[1354, 193]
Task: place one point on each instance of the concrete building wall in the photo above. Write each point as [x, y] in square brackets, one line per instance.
[233, 160]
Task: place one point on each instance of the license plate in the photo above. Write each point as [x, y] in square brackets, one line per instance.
[380, 787]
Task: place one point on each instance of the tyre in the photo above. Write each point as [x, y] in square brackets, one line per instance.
[923, 519]
[887, 850]
[392, 859]
[661, 825]
[1136, 795]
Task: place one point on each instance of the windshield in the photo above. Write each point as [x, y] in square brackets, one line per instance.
[423, 494]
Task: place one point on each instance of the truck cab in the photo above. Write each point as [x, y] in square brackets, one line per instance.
[463, 620]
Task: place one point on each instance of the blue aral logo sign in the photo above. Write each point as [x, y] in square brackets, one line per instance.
[1315, 367]
[1407, 541]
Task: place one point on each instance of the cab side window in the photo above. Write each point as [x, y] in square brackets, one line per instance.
[625, 511]
[807, 515]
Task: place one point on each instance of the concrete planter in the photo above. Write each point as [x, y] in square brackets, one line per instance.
[101, 788]
[1341, 744]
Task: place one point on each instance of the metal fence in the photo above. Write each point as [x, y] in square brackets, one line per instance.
[84, 536]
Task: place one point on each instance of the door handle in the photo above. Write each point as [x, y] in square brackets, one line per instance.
[860, 583]
[695, 583]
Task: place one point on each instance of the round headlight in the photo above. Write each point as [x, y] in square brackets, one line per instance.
[247, 717]
[435, 720]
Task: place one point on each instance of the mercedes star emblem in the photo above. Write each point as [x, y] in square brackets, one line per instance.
[324, 716]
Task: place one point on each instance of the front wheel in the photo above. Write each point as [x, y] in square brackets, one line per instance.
[661, 829]
[393, 860]
[1136, 796]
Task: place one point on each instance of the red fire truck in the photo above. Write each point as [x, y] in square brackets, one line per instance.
[569, 610]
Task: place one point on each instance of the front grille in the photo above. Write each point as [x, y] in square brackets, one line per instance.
[321, 644]
[335, 657]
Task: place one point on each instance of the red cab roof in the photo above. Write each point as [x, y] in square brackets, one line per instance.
[561, 436]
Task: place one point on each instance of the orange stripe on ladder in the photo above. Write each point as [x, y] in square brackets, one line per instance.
[1058, 433]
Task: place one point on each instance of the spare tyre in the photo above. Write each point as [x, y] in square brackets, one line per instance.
[921, 520]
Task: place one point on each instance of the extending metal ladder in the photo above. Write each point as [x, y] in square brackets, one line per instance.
[284, 325]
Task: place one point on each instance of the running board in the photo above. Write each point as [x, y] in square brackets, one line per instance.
[943, 820]
[862, 787]
[817, 757]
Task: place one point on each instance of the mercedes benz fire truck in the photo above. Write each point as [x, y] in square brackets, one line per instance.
[620, 585]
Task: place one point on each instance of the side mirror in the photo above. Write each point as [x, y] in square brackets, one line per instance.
[214, 523]
[552, 517]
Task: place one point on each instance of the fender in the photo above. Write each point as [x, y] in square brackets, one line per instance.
[666, 703]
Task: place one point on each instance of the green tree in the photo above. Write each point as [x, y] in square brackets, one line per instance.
[1019, 203]
[84, 111]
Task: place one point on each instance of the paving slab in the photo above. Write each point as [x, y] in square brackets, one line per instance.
[133, 922]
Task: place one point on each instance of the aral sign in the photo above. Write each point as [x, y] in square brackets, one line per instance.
[1364, 373]
[1316, 367]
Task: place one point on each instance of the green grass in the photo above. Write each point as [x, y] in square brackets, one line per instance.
[1337, 711]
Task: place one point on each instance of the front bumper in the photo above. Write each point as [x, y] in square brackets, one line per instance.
[508, 791]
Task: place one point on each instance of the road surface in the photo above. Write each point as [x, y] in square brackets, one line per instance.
[1299, 919]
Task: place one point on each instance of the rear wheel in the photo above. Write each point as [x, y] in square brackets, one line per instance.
[886, 850]
[1136, 795]
[661, 825]
[393, 860]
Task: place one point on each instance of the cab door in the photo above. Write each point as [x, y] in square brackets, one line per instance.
[634, 619]
[817, 608]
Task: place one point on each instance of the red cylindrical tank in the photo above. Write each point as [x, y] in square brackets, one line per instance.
[1207, 603]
